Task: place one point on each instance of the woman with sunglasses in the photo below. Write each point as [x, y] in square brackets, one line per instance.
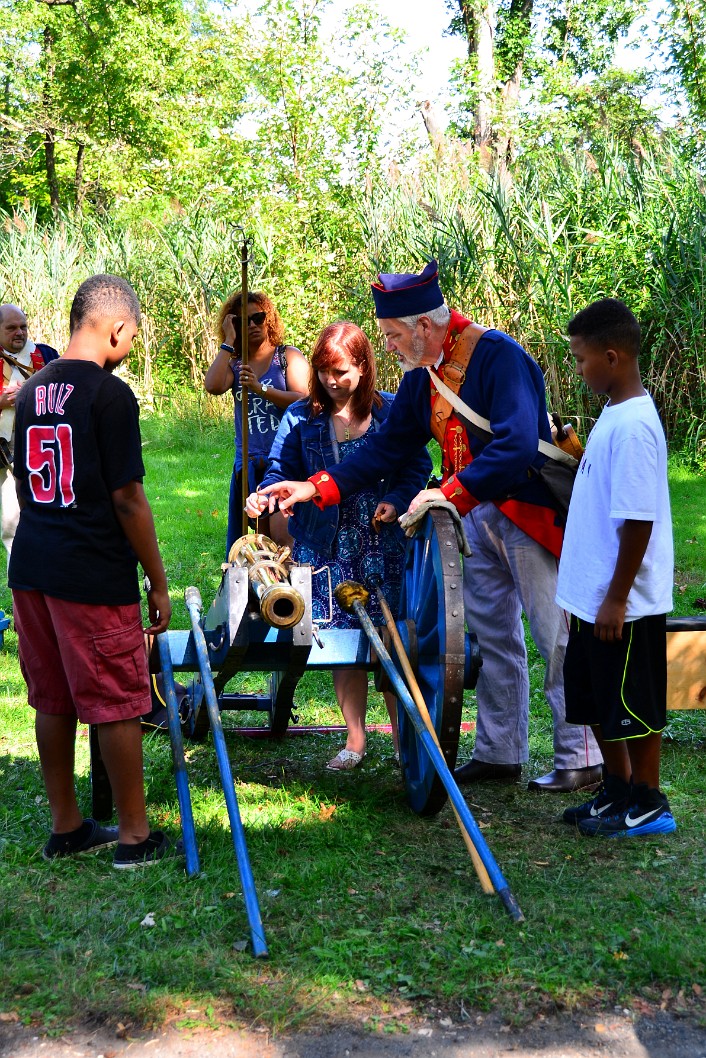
[360, 539]
[276, 375]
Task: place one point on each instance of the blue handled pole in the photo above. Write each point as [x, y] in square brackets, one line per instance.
[192, 599]
[437, 759]
[188, 831]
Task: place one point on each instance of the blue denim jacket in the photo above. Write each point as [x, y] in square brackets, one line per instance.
[303, 445]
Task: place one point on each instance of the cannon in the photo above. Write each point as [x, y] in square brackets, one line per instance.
[248, 628]
[261, 621]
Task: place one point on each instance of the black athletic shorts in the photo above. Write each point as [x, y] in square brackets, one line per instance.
[621, 685]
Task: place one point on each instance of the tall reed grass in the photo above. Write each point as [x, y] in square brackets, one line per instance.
[182, 270]
[526, 256]
[523, 256]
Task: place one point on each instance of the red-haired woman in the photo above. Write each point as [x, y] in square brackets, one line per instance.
[276, 375]
[342, 408]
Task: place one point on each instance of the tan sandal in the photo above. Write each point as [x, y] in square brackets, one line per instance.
[345, 760]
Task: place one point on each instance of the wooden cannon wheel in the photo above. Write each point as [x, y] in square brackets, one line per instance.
[431, 626]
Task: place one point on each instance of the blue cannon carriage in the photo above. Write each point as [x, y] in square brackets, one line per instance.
[274, 633]
[261, 621]
[4, 625]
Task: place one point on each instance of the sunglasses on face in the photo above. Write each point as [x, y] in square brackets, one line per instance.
[258, 318]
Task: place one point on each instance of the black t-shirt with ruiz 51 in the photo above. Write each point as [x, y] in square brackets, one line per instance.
[77, 440]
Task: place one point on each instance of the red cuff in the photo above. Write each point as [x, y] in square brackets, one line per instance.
[461, 498]
[329, 494]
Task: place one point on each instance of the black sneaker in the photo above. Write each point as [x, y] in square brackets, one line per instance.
[647, 813]
[612, 795]
[89, 837]
[130, 857]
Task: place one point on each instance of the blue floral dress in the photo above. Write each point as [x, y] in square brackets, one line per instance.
[359, 553]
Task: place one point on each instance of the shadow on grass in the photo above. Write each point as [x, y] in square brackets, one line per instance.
[367, 908]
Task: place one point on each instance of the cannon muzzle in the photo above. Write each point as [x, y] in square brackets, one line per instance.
[281, 605]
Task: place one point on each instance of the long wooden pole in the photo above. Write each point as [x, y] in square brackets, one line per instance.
[408, 673]
[245, 433]
[349, 596]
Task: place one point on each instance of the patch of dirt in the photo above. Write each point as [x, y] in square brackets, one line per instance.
[619, 1034]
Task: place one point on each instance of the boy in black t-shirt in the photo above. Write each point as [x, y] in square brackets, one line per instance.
[84, 525]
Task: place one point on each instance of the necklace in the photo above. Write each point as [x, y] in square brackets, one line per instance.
[345, 426]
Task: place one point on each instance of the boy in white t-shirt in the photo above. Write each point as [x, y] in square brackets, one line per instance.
[615, 579]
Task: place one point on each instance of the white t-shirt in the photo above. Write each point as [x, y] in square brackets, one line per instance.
[623, 475]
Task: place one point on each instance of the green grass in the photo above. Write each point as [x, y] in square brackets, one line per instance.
[688, 494]
[369, 911]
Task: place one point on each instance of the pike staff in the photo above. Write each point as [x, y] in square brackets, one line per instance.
[262, 374]
[245, 407]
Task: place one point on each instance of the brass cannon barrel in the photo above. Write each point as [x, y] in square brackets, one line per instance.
[281, 605]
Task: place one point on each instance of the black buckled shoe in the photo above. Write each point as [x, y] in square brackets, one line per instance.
[567, 780]
[484, 771]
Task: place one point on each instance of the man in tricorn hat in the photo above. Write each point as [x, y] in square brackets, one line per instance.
[514, 533]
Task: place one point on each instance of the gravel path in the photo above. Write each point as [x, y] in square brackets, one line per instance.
[616, 1035]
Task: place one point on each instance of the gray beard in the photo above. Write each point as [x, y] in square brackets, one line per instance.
[414, 359]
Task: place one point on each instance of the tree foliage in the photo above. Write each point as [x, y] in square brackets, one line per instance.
[323, 117]
[683, 30]
[137, 135]
[106, 100]
[558, 54]
[102, 97]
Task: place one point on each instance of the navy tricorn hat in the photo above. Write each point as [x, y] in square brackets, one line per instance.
[407, 295]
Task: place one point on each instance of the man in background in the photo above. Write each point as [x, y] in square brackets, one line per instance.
[20, 358]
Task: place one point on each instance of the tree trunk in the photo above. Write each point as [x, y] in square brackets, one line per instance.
[485, 67]
[50, 167]
[431, 123]
[79, 186]
[497, 66]
[504, 145]
[49, 140]
[6, 96]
